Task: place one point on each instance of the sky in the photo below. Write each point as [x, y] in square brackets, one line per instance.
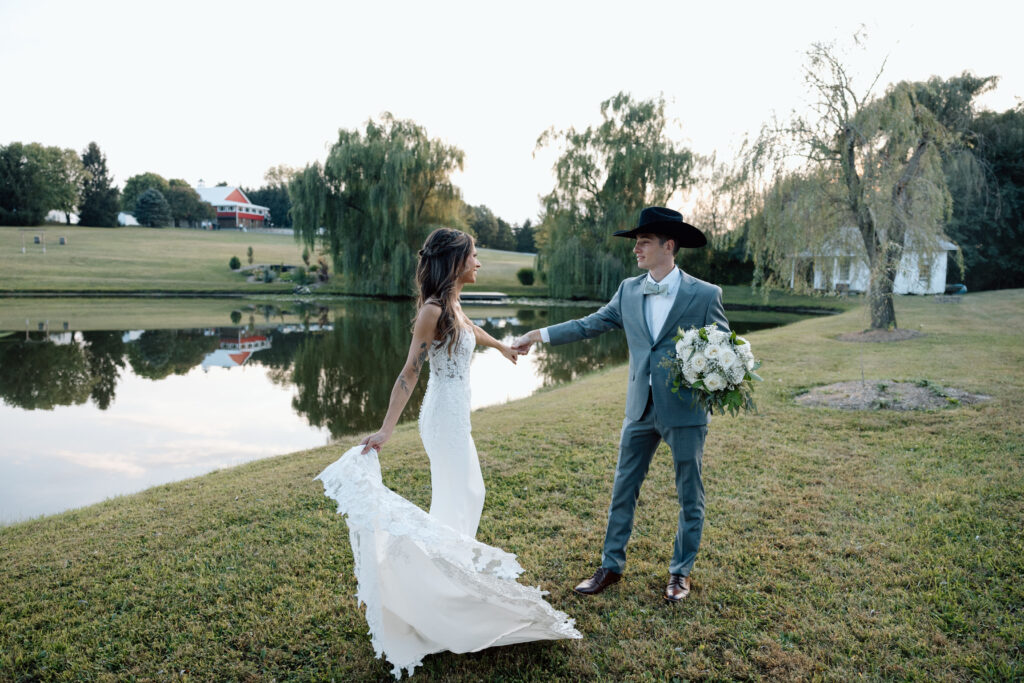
[223, 90]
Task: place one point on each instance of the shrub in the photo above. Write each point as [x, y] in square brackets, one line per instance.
[299, 276]
[234, 263]
[236, 317]
[248, 254]
[525, 276]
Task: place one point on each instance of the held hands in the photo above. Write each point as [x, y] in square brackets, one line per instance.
[375, 441]
[522, 344]
[509, 352]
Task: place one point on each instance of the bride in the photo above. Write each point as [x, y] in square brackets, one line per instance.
[427, 584]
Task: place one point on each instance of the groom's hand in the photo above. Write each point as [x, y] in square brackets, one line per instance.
[522, 344]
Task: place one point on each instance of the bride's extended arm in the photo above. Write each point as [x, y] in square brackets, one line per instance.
[484, 339]
[422, 336]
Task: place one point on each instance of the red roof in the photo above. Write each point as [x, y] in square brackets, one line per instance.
[237, 196]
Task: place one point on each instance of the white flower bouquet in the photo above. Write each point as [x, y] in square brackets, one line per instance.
[718, 366]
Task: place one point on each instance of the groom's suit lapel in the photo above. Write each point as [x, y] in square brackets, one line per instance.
[634, 296]
[684, 298]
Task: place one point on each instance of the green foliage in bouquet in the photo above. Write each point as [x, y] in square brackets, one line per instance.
[722, 395]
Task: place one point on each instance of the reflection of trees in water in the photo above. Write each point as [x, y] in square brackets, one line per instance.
[105, 355]
[344, 377]
[566, 362]
[159, 353]
[36, 374]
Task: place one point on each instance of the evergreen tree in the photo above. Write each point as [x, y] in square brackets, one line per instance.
[524, 237]
[988, 216]
[604, 177]
[137, 184]
[99, 199]
[374, 200]
[152, 209]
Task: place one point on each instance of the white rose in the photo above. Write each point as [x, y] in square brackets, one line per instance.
[748, 363]
[728, 358]
[689, 337]
[717, 336]
[690, 375]
[698, 362]
[713, 351]
[714, 382]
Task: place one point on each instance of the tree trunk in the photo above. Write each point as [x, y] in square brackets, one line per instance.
[883, 276]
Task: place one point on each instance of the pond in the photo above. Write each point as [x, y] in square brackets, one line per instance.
[107, 397]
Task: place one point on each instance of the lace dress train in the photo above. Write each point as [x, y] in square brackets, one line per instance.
[427, 584]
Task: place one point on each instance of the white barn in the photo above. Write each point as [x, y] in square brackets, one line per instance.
[845, 268]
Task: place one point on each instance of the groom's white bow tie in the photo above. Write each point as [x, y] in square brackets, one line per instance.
[655, 288]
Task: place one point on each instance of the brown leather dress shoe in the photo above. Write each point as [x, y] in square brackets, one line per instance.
[678, 588]
[601, 579]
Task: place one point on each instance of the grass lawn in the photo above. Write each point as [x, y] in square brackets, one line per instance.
[878, 545]
[176, 260]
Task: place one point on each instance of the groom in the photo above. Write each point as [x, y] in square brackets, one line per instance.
[650, 308]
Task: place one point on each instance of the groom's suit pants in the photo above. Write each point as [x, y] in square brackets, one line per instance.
[639, 441]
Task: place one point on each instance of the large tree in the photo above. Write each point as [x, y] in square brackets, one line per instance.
[187, 208]
[152, 209]
[988, 215]
[99, 198]
[273, 194]
[65, 175]
[376, 198]
[858, 169]
[24, 194]
[605, 175]
[137, 184]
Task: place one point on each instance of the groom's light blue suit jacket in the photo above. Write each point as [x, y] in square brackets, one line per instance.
[697, 303]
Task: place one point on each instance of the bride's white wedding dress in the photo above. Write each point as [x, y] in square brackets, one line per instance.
[427, 584]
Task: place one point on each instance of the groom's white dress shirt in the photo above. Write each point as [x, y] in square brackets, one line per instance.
[656, 306]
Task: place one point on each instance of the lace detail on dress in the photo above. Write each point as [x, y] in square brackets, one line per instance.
[392, 540]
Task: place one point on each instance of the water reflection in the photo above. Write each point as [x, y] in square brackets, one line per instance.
[341, 362]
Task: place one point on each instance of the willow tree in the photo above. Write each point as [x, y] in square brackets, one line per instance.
[374, 200]
[604, 176]
[860, 173]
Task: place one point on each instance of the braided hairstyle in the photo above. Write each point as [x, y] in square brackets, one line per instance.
[442, 260]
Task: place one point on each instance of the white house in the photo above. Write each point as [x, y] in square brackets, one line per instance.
[921, 271]
[234, 210]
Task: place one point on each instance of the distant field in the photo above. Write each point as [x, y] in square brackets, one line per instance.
[126, 259]
[178, 260]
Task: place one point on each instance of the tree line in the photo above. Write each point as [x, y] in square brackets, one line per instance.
[35, 179]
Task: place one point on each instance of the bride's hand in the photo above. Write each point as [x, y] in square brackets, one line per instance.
[375, 441]
[509, 353]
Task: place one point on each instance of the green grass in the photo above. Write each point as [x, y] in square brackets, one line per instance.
[130, 259]
[838, 545]
[178, 260]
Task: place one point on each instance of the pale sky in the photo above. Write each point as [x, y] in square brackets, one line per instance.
[224, 90]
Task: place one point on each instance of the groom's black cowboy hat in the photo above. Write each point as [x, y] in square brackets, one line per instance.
[661, 221]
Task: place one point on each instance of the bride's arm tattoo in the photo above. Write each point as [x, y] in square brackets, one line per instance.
[417, 364]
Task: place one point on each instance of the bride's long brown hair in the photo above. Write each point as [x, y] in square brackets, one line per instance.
[442, 260]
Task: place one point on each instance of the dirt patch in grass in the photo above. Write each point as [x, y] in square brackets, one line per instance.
[875, 336]
[883, 395]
